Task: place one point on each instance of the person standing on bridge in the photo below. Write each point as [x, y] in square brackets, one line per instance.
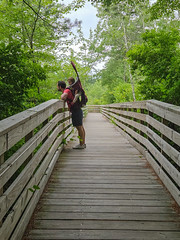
[75, 109]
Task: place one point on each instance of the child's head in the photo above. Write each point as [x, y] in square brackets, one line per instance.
[71, 80]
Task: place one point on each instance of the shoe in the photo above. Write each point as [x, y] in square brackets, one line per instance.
[79, 146]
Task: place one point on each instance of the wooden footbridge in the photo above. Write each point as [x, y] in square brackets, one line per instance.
[124, 185]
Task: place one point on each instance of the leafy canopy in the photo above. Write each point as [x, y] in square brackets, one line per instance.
[18, 73]
[158, 60]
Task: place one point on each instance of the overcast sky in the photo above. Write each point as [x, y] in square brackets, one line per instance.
[87, 15]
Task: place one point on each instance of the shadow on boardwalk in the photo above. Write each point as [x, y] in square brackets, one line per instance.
[106, 191]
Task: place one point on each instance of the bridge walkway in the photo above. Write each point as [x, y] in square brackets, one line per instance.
[106, 191]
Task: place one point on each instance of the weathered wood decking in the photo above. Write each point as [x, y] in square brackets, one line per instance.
[106, 191]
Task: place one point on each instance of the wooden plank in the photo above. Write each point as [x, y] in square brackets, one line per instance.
[116, 225]
[106, 186]
[100, 176]
[103, 181]
[122, 216]
[138, 104]
[106, 163]
[57, 195]
[104, 202]
[46, 208]
[102, 234]
[165, 130]
[132, 191]
[103, 170]
[3, 144]
[136, 115]
[165, 110]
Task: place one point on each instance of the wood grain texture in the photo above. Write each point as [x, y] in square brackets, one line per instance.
[106, 191]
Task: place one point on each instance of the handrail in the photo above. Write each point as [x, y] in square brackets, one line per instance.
[153, 127]
[30, 144]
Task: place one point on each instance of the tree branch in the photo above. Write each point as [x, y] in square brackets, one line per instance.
[37, 14]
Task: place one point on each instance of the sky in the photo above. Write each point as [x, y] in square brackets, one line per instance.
[87, 15]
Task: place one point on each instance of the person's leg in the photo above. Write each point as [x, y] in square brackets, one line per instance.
[77, 120]
[84, 134]
[81, 133]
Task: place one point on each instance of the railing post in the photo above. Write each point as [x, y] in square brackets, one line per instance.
[44, 123]
[1, 159]
[148, 125]
[1, 189]
[1, 162]
[165, 122]
[142, 122]
[134, 119]
[27, 137]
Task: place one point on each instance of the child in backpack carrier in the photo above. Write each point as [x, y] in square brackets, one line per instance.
[77, 91]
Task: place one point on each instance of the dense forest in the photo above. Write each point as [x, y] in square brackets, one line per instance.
[137, 41]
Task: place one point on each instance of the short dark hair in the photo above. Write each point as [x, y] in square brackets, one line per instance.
[62, 84]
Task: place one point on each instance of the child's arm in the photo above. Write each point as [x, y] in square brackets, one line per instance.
[77, 95]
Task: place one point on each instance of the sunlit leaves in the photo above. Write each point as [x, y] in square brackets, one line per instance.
[158, 60]
[18, 73]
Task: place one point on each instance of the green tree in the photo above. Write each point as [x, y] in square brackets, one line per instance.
[39, 25]
[120, 27]
[158, 60]
[18, 73]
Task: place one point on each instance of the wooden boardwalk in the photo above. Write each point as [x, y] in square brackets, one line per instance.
[106, 191]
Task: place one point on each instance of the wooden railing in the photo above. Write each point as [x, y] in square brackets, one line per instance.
[30, 144]
[94, 108]
[153, 127]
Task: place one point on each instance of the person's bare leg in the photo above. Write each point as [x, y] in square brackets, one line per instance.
[84, 134]
[81, 133]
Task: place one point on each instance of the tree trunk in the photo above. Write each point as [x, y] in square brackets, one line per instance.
[130, 75]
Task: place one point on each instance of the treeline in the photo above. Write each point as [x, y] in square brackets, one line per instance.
[136, 41]
[139, 43]
[34, 38]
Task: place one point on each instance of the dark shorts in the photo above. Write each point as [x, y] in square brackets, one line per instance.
[77, 117]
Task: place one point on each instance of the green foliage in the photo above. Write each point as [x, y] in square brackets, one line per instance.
[110, 2]
[32, 32]
[158, 60]
[64, 141]
[96, 93]
[123, 92]
[157, 10]
[39, 25]
[80, 139]
[164, 8]
[18, 73]
[34, 188]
